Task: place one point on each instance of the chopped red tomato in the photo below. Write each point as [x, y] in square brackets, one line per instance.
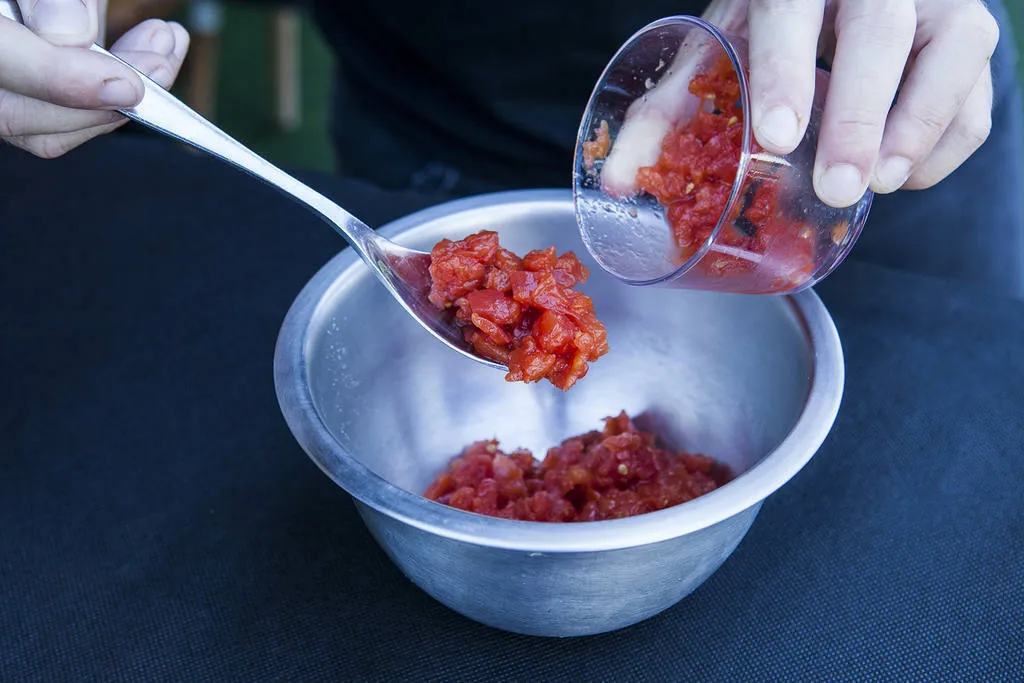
[617, 472]
[521, 312]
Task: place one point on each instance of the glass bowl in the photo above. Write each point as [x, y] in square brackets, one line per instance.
[671, 188]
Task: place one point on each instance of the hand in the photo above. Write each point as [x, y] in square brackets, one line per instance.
[55, 94]
[936, 52]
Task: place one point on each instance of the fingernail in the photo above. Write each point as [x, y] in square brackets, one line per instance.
[892, 173]
[840, 185]
[60, 18]
[117, 92]
[779, 128]
[162, 41]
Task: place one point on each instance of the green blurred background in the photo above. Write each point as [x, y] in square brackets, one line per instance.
[244, 103]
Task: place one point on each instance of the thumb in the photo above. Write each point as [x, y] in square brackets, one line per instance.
[69, 76]
[62, 22]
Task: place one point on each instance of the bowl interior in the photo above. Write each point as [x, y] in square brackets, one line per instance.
[724, 375]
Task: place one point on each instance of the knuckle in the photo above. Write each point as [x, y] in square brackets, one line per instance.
[975, 131]
[66, 87]
[930, 121]
[976, 24]
[70, 94]
[856, 127]
[47, 146]
[878, 23]
[926, 127]
[12, 114]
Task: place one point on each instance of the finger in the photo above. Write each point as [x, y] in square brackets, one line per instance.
[783, 49]
[967, 132]
[87, 125]
[23, 116]
[873, 41]
[162, 69]
[166, 39]
[152, 35]
[944, 74]
[68, 76]
[62, 22]
[51, 146]
[182, 40]
[154, 47]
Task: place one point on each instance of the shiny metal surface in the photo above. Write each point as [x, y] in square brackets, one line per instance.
[753, 381]
[402, 271]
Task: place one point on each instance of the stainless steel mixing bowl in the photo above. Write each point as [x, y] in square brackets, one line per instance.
[381, 408]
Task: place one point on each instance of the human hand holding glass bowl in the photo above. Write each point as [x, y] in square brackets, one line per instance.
[671, 187]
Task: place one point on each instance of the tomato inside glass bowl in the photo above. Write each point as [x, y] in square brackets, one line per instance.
[671, 187]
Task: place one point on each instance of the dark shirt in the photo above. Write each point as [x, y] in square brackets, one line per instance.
[471, 96]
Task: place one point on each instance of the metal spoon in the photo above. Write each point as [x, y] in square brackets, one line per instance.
[403, 271]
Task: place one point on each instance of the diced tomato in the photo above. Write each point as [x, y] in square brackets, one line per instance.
[524, 312]
[617, 472]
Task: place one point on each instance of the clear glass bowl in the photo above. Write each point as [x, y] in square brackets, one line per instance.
[767, 231]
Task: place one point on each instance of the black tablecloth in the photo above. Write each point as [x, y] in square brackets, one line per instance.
[157, 520]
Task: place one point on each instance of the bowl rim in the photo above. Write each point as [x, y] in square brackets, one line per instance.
[747, 490]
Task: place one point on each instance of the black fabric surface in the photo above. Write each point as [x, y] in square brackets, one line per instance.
[158, 522]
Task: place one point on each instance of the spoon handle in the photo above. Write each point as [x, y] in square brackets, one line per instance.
[164, 113]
